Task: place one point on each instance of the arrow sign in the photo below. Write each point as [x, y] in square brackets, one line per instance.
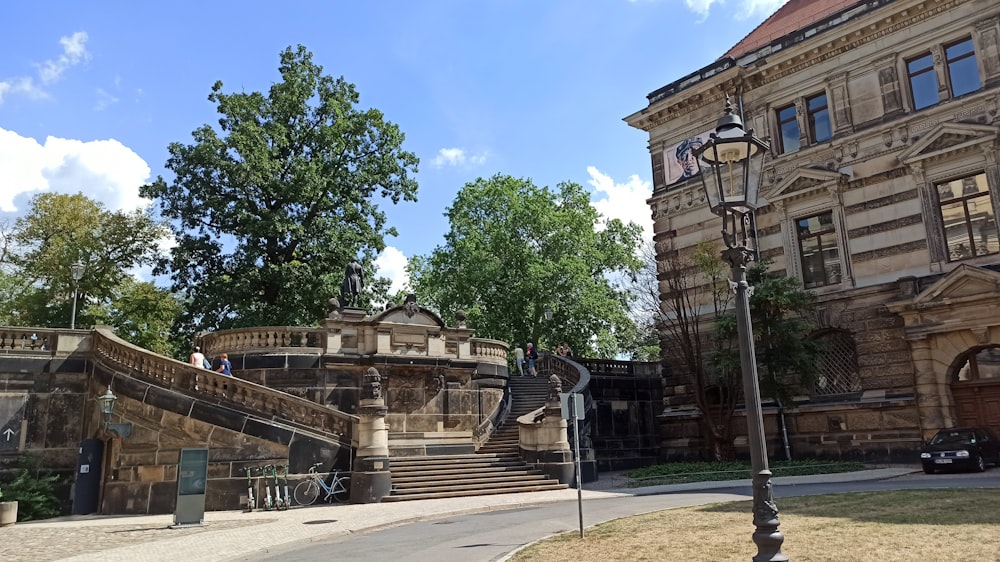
[8, 433]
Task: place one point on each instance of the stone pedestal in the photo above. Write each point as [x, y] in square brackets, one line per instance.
[370, 477]
[555, 458]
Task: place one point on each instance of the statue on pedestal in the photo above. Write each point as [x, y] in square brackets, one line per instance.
[353, 283]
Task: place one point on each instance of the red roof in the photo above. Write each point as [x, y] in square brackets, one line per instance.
[794, 15]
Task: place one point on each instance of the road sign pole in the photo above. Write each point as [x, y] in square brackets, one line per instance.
[576, 454]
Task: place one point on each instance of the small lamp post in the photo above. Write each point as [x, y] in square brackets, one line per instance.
[76, 271]
[106, 402]
[731, 165]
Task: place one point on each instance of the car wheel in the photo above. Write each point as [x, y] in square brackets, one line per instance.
[980, 464]
[928, 469]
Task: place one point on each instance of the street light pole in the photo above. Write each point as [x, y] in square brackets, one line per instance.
[730, 165]
[76, 271]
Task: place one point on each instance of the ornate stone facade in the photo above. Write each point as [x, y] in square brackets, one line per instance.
[891, 151]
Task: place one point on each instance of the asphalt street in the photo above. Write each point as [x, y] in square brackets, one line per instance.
[494, 535]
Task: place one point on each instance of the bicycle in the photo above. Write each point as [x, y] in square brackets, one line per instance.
[307, 491]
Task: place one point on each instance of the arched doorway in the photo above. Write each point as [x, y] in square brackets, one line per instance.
[975, 387]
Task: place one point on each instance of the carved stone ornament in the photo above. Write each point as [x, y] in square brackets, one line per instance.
[555, 387]
[435, 382]
[372, 389]
[333, 307]
[410, 307]
[460, 319]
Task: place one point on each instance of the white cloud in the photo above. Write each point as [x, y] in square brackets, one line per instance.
[744, 9]
[74, 52]
[624, 201]
[104, 100]
[457, 157]
[104, 170]
[391, 264]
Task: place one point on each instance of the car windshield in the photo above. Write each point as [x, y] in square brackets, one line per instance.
[954, 437]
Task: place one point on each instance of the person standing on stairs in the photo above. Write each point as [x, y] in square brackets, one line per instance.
[519, 359]
[532, 357]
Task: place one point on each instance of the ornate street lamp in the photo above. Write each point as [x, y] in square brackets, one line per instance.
[106, 402]
[731, 163]
[76, 271]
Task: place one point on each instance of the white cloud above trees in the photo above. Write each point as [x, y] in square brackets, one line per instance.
[49, 71]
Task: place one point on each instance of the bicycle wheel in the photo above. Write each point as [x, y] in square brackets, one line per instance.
[306, 492]
[342, 489]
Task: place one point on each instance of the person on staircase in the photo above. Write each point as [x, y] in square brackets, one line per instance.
[519, 359]
[532, 356]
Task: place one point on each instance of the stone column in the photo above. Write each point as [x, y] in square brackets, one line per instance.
[555, 458]
[926, 385]
[370, 479]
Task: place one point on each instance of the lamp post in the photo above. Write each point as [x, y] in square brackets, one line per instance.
[730, 165]
[106, 403]
[76, 271]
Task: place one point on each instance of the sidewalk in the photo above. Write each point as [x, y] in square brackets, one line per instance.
[230, 534]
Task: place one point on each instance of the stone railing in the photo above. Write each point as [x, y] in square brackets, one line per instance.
[28, 339]
[492, 351]
[119, 356]
[611, 368]
[262, 339]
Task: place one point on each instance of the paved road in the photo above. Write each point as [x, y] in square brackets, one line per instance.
[493, 535]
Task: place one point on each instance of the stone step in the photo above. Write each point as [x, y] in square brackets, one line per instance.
[439, 475]
[411, 495]
[467, 465]
[471, 487]
[517, 479]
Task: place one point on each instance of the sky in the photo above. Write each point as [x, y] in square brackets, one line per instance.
[92, 93]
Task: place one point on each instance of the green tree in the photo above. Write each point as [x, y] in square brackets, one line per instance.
[781, 314]
[692, 293]
[60, 229]
[514, 249]
[142, 314]
[269, 208]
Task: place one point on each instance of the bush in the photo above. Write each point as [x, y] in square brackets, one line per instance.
[34, 493]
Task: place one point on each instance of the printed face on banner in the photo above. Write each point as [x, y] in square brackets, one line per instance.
[679, 161]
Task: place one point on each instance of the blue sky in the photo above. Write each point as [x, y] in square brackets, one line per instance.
[91, 93]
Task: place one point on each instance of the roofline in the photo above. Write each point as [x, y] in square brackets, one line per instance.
[798, 36]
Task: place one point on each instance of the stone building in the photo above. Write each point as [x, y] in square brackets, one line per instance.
[883, 188]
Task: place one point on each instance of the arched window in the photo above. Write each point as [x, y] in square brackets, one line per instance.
[981, 364]
[837, 371]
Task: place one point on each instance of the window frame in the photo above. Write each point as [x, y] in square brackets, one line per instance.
[811, 117]
[964, 199]
[829, 234]
[794, 118]
[948, 62]
[910, 75]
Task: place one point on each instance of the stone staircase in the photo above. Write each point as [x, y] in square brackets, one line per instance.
[497, 468]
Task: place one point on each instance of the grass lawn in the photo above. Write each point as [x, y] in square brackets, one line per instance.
[903, 526]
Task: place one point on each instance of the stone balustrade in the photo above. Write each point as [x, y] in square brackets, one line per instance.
[261, 339]
[28, 339]
[120, 356]
[492, 351]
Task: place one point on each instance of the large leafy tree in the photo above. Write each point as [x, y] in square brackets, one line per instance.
[61, 229]
[270, 207]
[514, 249]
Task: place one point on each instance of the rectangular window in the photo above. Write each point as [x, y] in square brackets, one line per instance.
[923, 81]
[788, 125]
[963, 74]
[819, 118]
[970, 228]
[818, 251]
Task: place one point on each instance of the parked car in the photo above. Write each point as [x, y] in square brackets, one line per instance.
[970, 448]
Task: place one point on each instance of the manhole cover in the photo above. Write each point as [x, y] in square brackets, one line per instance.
[319, 521]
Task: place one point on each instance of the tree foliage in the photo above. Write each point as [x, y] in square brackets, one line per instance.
[61, 229]
[780, 311]
[514, 249]
[270, 207]
[693, 294]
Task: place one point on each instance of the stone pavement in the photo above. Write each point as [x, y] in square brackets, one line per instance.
[231, 534]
